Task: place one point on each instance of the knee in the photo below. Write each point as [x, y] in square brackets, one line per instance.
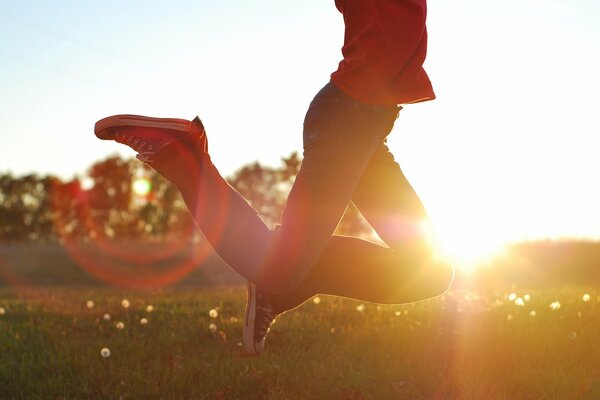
[279, 281]
[281, 285]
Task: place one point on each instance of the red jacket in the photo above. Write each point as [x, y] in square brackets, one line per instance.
[385, 45]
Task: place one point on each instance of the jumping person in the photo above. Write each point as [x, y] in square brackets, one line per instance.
[346, 159]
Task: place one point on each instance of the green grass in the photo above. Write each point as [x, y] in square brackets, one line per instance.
[446, 348]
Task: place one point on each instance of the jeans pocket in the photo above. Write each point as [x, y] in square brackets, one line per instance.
[317, 120]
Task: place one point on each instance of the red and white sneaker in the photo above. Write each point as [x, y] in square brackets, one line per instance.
[148, 135]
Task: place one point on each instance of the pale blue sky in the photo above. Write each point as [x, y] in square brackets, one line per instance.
[510, 148]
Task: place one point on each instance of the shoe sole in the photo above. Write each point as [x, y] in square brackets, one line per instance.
[103, 128]
[249, 321]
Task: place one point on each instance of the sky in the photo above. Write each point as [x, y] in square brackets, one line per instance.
[508, 151]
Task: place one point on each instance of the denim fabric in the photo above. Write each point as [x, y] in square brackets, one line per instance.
[343, 139]
[345, 160]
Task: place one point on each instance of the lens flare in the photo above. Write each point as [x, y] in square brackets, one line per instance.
[142, 187]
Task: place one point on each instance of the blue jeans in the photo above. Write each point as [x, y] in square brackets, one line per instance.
[345, 160]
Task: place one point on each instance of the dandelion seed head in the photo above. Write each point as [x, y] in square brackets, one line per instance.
[555, 305]
[106, 317]
[317, 300]
[360, 308]
[532, 313]
[90, 304]
[512, 297]
[586, 297]
[213, 313]
[143, 321]
[125, 303]
[519, 302]
[149, 308]
[120, 325]
[105, 352]
[527, 297]
[2, 310]
[212, 328]
[233, 320]
[398, 313]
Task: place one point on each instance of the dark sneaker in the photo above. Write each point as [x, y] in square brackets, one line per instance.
[148, 135]
[257, 320]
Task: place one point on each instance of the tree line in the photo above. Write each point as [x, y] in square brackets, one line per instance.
[105, 203]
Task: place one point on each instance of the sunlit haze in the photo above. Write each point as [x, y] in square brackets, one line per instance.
[508, 151]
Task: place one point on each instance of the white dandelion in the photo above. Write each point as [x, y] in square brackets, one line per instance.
[532, 313]
[212, 328]
[554, 306]
[519, 302]
[586, 297]
[512, 297]
[149, 308]
[213, 313]
[360, 308]
[527, 297]
[120, 325]
[125, 303]
[2, 310]
[143, 321]
[90, 304]
[106, 317]
[105, 352]
[317, 300]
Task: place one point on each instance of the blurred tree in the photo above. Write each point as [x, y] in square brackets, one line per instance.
[266, 188]
[104, 203]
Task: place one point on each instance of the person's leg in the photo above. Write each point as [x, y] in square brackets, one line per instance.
[389, 203]
[406, 272]
[341, 136]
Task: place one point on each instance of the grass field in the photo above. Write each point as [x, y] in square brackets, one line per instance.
[461, 346]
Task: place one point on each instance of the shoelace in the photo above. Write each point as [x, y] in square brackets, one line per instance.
[263, 327]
